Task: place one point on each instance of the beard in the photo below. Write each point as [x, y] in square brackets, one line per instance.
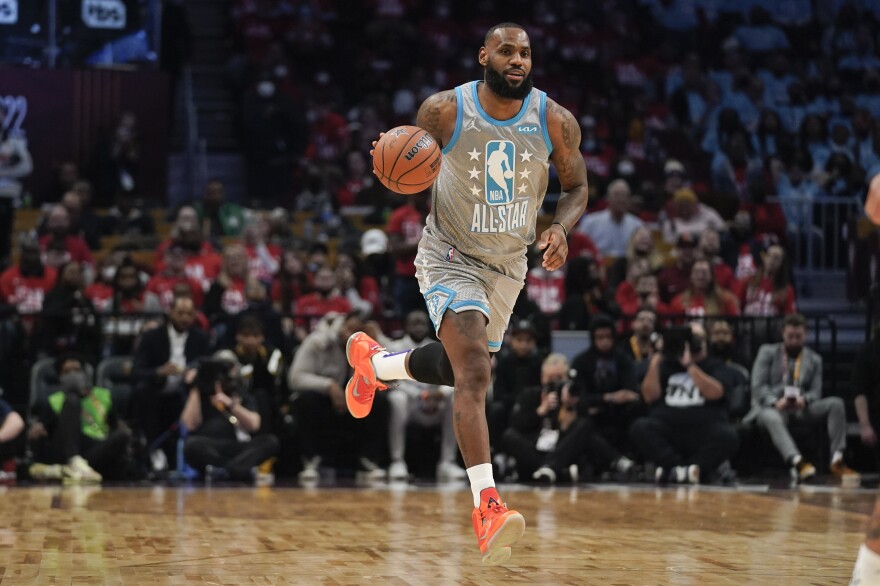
[502, 88]
[722, 350]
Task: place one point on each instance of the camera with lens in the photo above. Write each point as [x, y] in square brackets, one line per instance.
[676, 339]
[212, 371]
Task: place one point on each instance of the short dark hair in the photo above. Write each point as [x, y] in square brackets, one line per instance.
[498, 26]
[250, 325]
[66, 357]
[601, 322]
[647, 309]
[794, 320]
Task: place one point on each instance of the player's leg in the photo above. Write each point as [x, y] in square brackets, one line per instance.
[867, 568]
[465, 340]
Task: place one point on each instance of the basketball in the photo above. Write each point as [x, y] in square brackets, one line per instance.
[407, 159]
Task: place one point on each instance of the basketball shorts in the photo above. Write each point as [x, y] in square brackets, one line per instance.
[450, 280]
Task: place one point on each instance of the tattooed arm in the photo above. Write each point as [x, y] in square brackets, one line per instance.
[565, 136]
[437, 116]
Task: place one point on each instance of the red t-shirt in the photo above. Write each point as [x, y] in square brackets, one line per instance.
[26, 293]
[263, 262]
[101, 296]
[162, 286]
[696, 305]
[76, 247]
[579, 243]
[546, 289]
[408, 223]
[312, 307]
[723, 274]
[759, 299]
[233, 301]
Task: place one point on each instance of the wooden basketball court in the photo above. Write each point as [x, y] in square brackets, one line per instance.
[608, 535]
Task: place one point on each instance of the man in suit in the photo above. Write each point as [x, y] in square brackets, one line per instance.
[160, 360]
[787, 385]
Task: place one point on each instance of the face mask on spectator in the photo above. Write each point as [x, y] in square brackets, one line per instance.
[73, 381]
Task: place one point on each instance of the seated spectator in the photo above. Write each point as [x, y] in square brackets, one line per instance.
[202, 263]
[69, 321]
[365, 285]
[722, 346]
[159, 292]
[546, 435]
[83, 221]
[642, 344]
[264, 257]
[325, 299]
[290, 283]
[224, 440]
[640, 247]
[584, 295]
[80, 429]
[317, 377]
[813, 138]
[646, 294]
[604, 384]
[733, 168]
[769, 292]
[423, 405]
[689, 217]
[124, 296]
[703, 295]
[218, 217]
[25, 285]
[186, 233]
[404, 230]
[611, 229]
[625, 293]
[796, 192]
[518, 366]
[686, 433]
[787, 386]
[580, 244]
[160, 359]
[262, 366]
[59, 237]
[128, 219]
[674, 279]
[866, 385]
[11, 438]
[547, 288]
[226, 297]
[709, 248]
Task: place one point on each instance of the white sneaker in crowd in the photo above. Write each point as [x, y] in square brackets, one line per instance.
[449, 472]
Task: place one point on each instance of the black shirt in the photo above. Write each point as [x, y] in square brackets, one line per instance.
[216, 424]
[680, 400]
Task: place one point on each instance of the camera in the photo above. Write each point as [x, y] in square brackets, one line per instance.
[212, 371]
[676, 339]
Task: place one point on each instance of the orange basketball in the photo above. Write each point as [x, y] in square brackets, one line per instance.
[407, 159]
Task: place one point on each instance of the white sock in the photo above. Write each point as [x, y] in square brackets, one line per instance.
[837, 457]
[481, 478]
[391, 365]
[796, 460]
[867, 568]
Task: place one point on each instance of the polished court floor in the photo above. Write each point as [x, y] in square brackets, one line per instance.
[606, 534]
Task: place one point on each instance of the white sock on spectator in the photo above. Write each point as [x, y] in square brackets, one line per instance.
[837, 457]
[391, 365]
[481, 478]
[796, 460]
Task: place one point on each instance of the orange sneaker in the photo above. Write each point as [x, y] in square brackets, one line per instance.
[496, 527]
[362, 386]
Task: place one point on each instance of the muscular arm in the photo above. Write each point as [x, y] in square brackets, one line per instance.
[437, 116]
[565, 136]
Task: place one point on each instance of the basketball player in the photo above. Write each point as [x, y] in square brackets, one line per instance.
[497, 135]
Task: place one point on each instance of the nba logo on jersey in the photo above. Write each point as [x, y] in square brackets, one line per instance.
[500, 160]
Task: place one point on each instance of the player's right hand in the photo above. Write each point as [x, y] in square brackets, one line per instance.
[381, 134]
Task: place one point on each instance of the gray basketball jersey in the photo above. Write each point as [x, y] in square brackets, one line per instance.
[493, 179]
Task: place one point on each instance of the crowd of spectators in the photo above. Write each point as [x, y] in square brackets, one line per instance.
[694, 115]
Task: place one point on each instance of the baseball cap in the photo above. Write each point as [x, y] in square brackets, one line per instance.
[523, 326]
[673, 166]
[374, 241]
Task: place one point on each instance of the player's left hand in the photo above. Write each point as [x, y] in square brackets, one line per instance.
[555, 247]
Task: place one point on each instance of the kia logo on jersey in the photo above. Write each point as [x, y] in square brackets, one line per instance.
[530, 129]
[500, 169]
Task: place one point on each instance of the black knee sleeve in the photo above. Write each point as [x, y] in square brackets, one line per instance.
[430, 364]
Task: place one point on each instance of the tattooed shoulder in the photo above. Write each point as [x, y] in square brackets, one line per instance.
[433, 115]
[568, 126]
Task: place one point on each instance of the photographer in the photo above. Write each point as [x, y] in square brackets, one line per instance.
[221, 419]
[546, 435]
[687, 433]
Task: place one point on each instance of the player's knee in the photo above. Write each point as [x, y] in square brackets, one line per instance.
[475, 374]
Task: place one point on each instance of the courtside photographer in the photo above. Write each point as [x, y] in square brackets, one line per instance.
[223, 421]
